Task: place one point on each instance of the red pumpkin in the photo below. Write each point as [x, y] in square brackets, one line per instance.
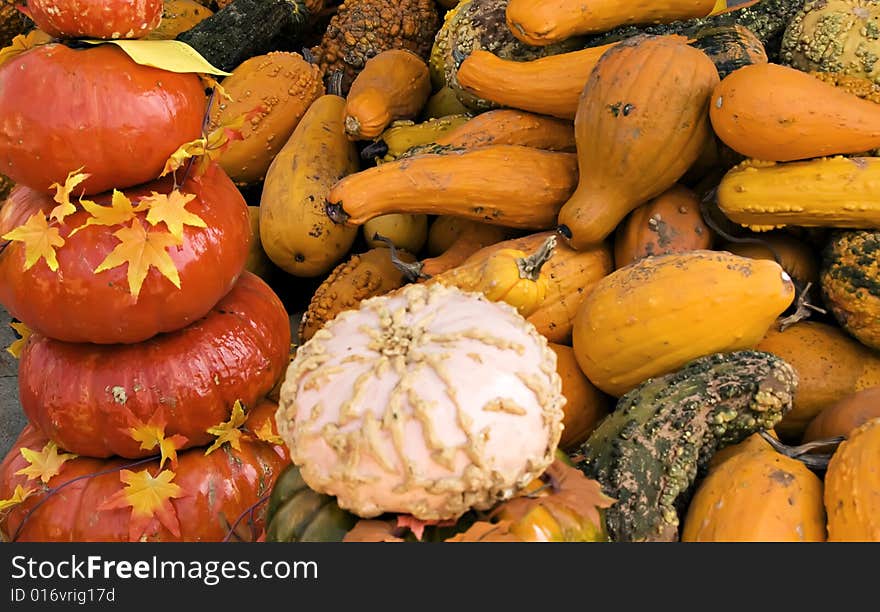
[210, 491]
[95, 109]
[76, 304]
[89, 398]
[108, 19]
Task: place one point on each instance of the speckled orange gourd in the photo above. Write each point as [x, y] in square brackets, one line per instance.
[852, 487]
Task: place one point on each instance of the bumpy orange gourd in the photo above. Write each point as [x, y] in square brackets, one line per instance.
[640, 125]
[670, 223]
[852, 487]
[776, 113]
[677, 308]
[844, 416]
[584, 406]
[393, 85]
[549, 85]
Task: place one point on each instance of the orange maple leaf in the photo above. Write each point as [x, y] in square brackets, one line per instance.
[44, 464]
[171, 210]
[62, 195]
[142, 250]
[24, 332]
[19, 495]
[152, 434]
[149, 499]
[40, 241]
[119, 212]
[228, 431]
[373, 530]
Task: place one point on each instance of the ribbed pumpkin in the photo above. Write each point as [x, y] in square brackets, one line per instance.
[281, 86]
[757, 496]
[830, 366]
[640, 125]
[584, 406]
[107, 19]
[845, 415]
[670, 223]
[851, 284]
[852, 487]
[678, 307]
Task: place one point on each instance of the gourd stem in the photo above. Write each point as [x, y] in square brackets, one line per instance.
[412, 271]
[334, 83]
[336, 213]
[374, 150]
[802, 452]
[530, 267]
[803, 311]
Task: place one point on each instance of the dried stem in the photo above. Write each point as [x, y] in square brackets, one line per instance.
[412, 271]
[530, 267]
[817, 461]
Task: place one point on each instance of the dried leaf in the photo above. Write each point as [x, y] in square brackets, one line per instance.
[44, 464]
[417, 526]
[142, 250]
[24, 332]
[149, 499]
[193, 148]
[483, 531]
[22, 43]
[40, 241]
[62, 195]
[152, 434]
[19, 495]
[119, 212]
[372, 531]
[171, 210]
[267, 434]
[228, 431]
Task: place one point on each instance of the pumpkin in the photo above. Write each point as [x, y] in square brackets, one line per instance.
[91, 500]
[103, 290]
[730, 47]
[795, 256]
[679, 307]
[827, 192]
[759, 111]
[295, 232]
[851, 284]
[757, 496]
[641, 124]
[393, 85]
[834, 36]
[648, 452]
[542, 22]
[852, 483]
[845, 415]
[407, 232]
[362, 276]
[130, 112]
[178, 16]
[257, 261]
[504, 126]
[383, 434]
[274, 90]
[670, 223]
[830, 366]
[297, 514]
[585, 406]
[108, 19]
[508, 185]
[549, 85]
[98, 400]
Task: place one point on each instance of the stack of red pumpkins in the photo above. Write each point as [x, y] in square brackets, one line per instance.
[151, 349]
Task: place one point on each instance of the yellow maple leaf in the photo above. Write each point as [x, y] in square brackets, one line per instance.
[141, 250]
[44, 464]
[40, 241]
[24, 333]
[149, 498]
[267, 434]
[62, 195]
[152, 434]
[119, 212]
[228, 431]
[193, 148]
[171, 209]
[22, 43]
[19, 495]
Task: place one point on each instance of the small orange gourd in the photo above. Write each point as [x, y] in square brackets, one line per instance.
[513, 127]
[844, 416]
[585, 405]
[852, 487]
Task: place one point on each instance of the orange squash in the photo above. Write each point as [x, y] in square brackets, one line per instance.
[776, 113]
[471, 238]
[670, 223]
[512, 127]
[641, 124]
[795, 256]
[508, 185]
[852, 487]
[549, 85]
[394, 84]
[830, 365]
[845, 415]
[585, 405]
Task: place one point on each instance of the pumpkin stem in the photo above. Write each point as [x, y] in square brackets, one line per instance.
[802, 452]
[804, 308]
[334, 83]
[336, 213]
[530, 267]
[411, 271]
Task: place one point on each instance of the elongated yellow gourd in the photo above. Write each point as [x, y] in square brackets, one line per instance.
[654, 316]
[825, 192]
